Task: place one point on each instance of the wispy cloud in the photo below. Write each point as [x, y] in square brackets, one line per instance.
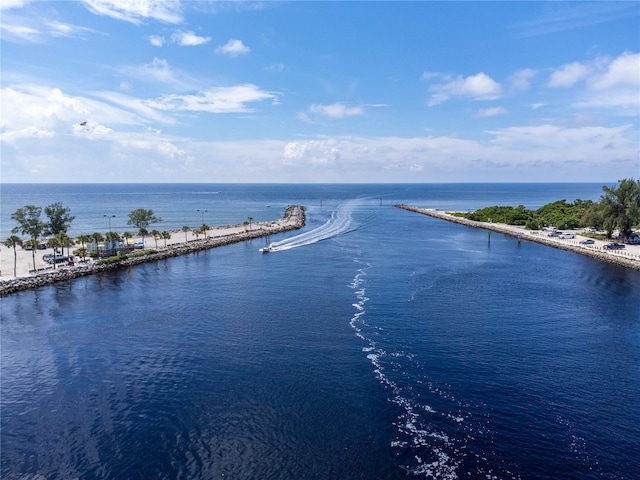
[8, 4]
[233, 48]
[491, 112]
[189, 39]
[166, 11]
[159, 71]
[34, 29]
[232, 99]
[560, 16]
[182, 38]
[335, 110]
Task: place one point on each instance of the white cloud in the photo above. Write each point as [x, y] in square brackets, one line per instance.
[491, 112]
[429, 75]
[135, 11]
[568, 75]
[336, 110]
[521, 80]
[20, 32]
[36, 29]
[476, 87]
[215, 100]
[623, 71]
[233, 48]
[7, 4]
[159, 71]
[316, 153]
[156, 40]
[189, 39]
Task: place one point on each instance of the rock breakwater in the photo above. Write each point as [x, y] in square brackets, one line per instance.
[294, 218]
[624, 259]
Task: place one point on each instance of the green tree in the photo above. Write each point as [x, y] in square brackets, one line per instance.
[143, 232]
[29, 223]
[12, 242]
[114, 238]
[83, 240]
[65, 241]
[142, 218]
[250, 219]
[166, 235]
[127, 236]
[185, 229]
[619, 207]
[54, 242]
[97, 238]
[156, 235]
[59, 219]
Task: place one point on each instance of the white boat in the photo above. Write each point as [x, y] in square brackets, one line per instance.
[267, 249]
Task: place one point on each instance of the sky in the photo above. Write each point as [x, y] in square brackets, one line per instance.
[114, 91]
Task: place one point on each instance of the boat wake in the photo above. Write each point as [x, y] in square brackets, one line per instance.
[340, 222]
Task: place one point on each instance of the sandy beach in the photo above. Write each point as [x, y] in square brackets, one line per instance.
[628, 257]
[24, 258]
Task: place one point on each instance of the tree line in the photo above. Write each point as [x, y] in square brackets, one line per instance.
[617, 209]
[58, 221]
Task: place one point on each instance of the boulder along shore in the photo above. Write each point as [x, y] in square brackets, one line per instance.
[294, 218]
[623, 258]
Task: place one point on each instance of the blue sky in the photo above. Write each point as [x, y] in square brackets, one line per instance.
[209, 91]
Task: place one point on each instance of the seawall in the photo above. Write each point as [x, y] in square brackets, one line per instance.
[294, 218]
[623, 259]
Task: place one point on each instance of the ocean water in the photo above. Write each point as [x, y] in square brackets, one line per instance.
[375, 343]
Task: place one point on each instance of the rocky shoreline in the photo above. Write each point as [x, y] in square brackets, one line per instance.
[294, 217]
[624, 259]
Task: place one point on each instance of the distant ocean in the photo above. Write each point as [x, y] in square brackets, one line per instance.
[376, 344]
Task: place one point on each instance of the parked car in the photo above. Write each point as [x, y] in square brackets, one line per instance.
[554, 233]
[633, 241]
[613, 246]
[587, 241]
[567, 235]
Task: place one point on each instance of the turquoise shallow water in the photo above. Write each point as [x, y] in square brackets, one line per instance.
[377, 343]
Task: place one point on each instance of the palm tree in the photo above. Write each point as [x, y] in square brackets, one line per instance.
[127, 236]
[83, 240]
[166, 235]
[203, 229]
[12, 242]
[197, 232]
[185, 229]
[143, 232]
[65, 241]
[97, 237]
[250, 219]
[54, 242]
[29, 223]
[112, 237]
[156, 235]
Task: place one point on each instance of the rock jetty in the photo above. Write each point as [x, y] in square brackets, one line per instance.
[624, 259]
[294, 218]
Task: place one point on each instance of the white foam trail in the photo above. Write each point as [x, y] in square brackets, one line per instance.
[339, 222]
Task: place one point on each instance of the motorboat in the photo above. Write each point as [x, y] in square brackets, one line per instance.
[268, 248]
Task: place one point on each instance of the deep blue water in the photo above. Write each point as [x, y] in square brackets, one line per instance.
[375, 344]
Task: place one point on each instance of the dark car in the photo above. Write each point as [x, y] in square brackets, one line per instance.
[613, 246]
